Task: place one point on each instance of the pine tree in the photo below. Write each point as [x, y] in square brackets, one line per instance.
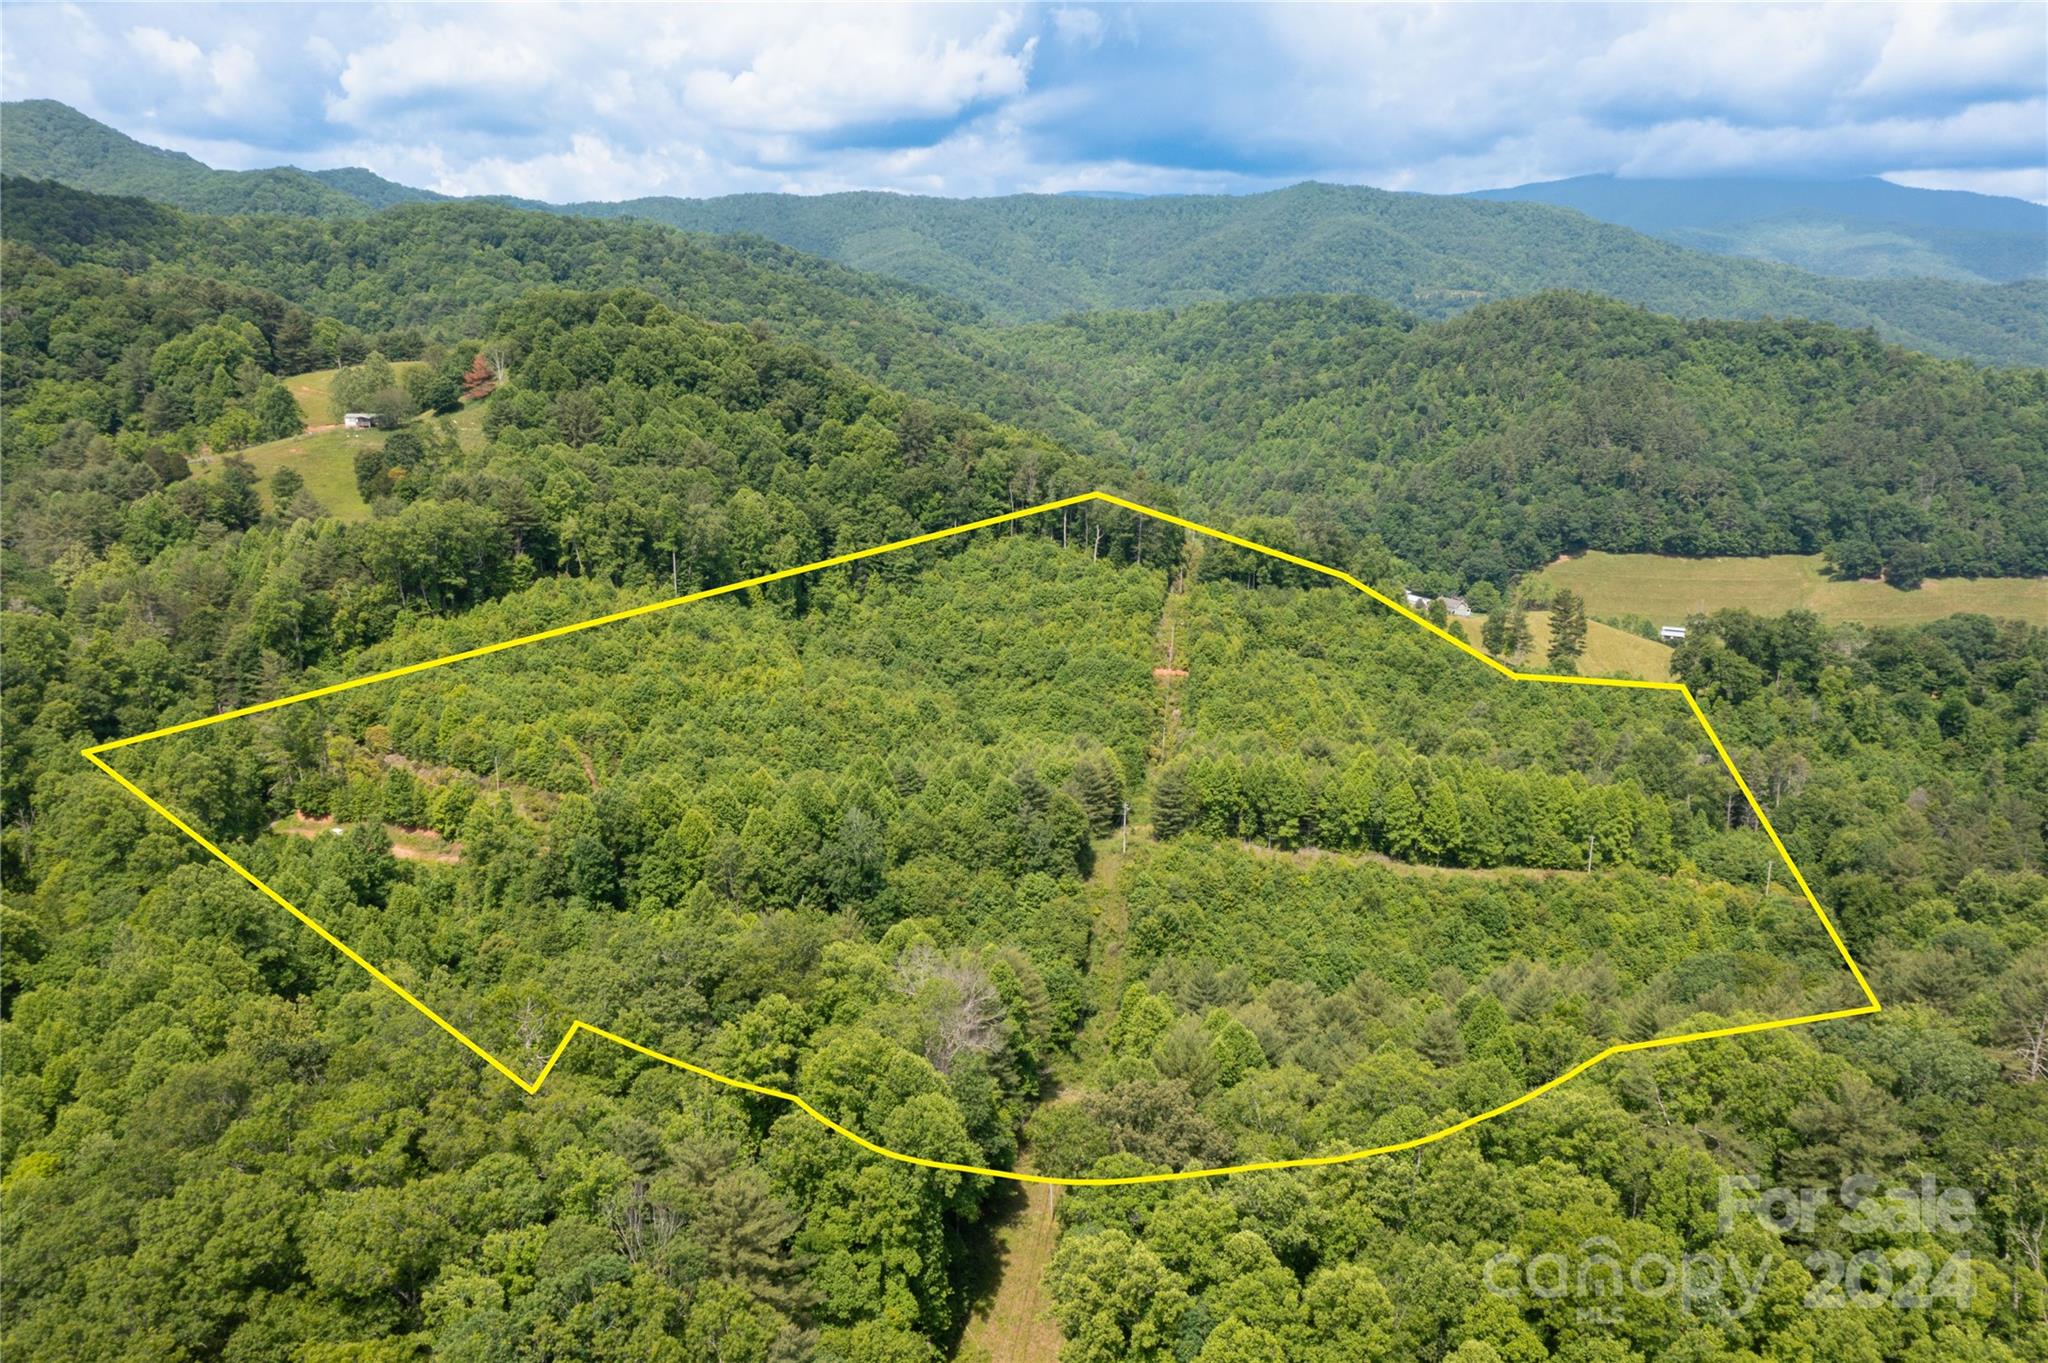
[1567, 631]
[1493, 635]
[1400, 820]
[1517, 632]
[1099, 786]
[277, 412]
[1173, 803]
[1442, 830]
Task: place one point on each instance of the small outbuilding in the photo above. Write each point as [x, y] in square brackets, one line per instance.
[361, 421]
[1672, 634]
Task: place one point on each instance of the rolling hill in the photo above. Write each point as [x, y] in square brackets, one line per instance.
[1039, 257]
[1865, 228]
[444, 267]
[42, 139]
[1488, 443]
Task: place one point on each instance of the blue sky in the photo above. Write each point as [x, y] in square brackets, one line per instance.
[613, 102]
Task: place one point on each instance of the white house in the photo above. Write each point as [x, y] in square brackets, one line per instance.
[359, 421]
[1453, 605]
[1672, 634]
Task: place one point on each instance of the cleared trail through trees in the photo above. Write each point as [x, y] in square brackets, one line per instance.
[1172, 671]
[1015, 1324]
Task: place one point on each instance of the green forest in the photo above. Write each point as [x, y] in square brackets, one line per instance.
[1493, 442]
[1080, 846]
[1037, 257]
[1474, 449]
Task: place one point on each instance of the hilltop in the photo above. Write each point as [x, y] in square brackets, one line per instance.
[1865, 228]
[42, 139]
[1478, 446]
[1039, 257]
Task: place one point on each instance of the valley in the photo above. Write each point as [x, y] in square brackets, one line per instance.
[583, 931]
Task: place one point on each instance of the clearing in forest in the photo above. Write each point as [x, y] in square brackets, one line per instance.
[1007, 668]
[1666, 589]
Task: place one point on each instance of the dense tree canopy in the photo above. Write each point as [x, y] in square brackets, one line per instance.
[1488, 445]
[1077, 844]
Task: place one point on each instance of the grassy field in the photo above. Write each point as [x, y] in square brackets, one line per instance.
[315, 390]
[1013, 1323]
[1668, 589]
[407, 844]
[327, 461]
[1610, 652]
[325, 455]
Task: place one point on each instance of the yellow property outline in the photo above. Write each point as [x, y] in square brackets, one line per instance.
[93, 754]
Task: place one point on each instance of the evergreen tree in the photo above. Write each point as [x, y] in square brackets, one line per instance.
[1400, 820]
[1493, 635]
[1517, 636]
[1441, 832]
[1567, 631]
[1099, 787]
[1174, 809]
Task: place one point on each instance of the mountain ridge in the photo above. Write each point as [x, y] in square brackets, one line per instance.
[45, 139]
[1039, 257]
[1855, 228]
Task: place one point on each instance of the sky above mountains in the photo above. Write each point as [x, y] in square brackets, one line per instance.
[615, 102]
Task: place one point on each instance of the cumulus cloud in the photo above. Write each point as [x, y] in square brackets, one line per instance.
[855, 70]
[451, 66]
[611, 102]
[1077, 27]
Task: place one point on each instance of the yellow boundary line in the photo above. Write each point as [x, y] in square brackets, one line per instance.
[94, 755]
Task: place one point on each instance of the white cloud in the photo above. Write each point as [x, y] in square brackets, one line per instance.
[613, 102]
[180, 56]
[1936, 49]
[424, 61]
[1995, 130]
[589, 168]
[237, 80]
[2027, 182]
[1077, 27]
[853, 71]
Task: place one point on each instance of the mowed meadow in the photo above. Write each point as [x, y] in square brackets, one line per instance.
[324, 454]
[1610, 652]
[1668, 589]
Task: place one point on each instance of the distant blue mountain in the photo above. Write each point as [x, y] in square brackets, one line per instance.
[1863, 229]
[1952, 274]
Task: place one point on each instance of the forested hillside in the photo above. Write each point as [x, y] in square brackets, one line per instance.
[1081, 846]
[41, 139]
[1478, 447]
[1491, 443]
[438, 269]
[1038, 257]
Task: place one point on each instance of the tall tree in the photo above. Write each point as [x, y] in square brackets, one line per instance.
[1567, 630]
